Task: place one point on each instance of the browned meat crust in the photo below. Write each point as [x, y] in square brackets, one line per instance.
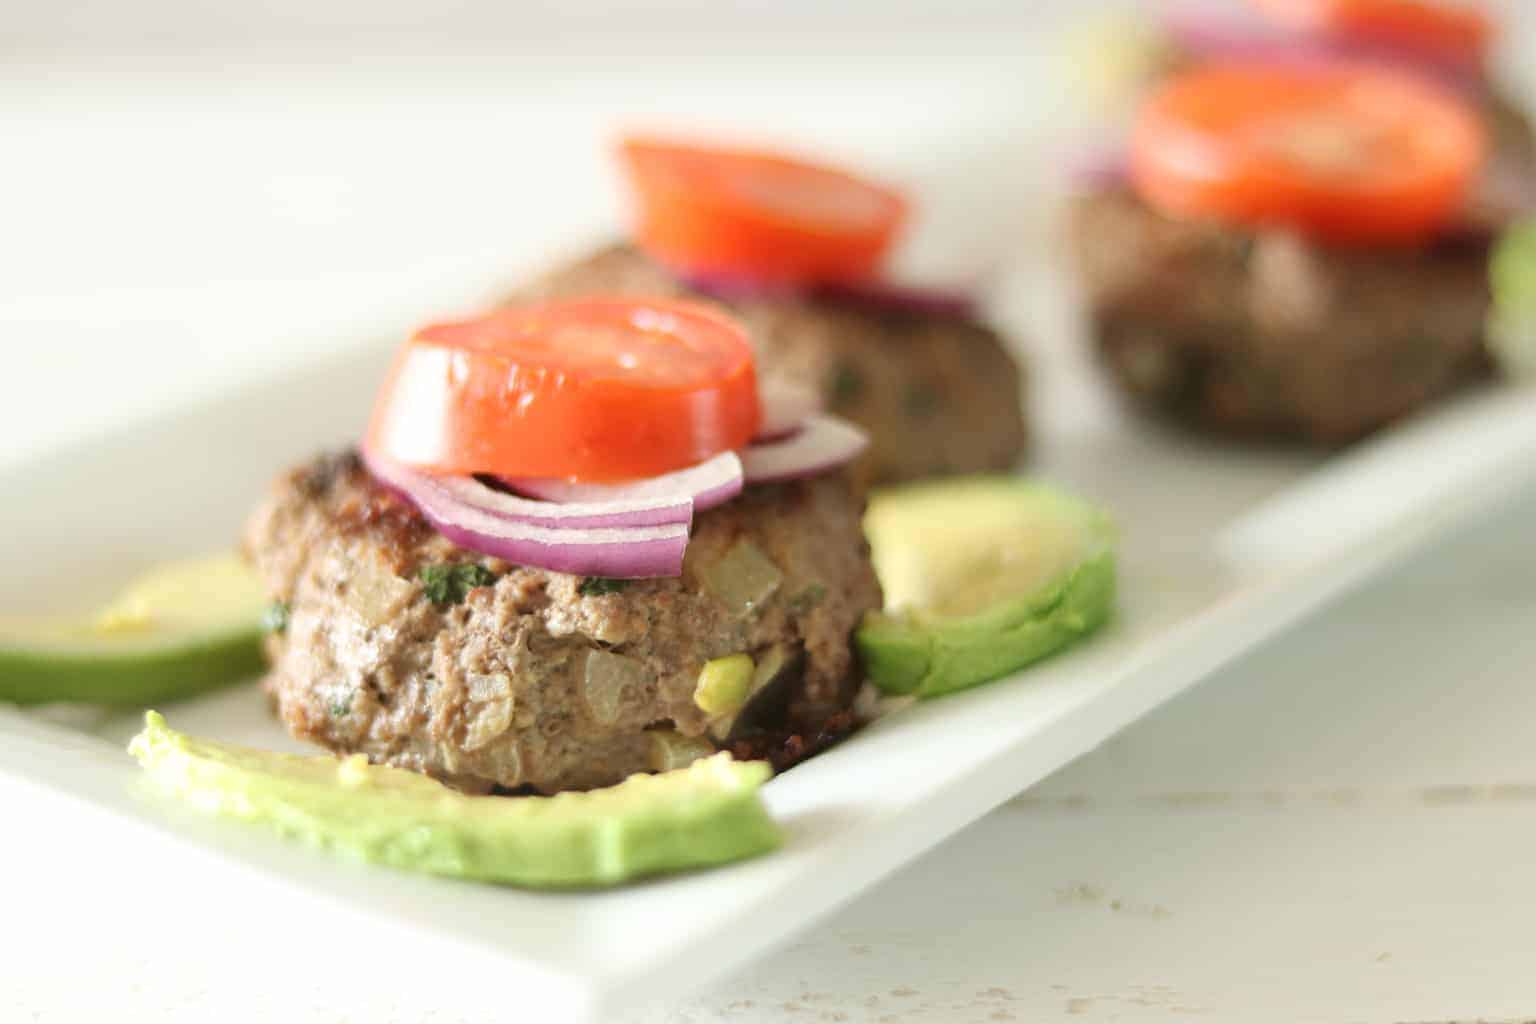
[490, 693]
[937, 395]
[786, 747]
[1263, 333]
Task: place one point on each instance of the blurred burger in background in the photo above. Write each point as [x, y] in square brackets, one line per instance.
[798, 250]
[1292, 238]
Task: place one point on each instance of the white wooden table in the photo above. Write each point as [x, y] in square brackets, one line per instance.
[1338, 828]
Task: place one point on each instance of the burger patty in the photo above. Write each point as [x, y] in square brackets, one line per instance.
[1507, 188]
[936, 394]
[514, 677]
[1260, 332]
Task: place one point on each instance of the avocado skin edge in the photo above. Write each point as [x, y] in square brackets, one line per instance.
[700, 816]
[909, 658]
[129, 678]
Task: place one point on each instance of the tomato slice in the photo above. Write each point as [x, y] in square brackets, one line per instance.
[1448, 31]
[758, 216]
[1348, 155]
[594, 389]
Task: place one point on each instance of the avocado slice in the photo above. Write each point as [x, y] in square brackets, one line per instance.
[181, 629]
[982, 576]
[724, 684]
[766, 696]
[707, 813]
[1512, 318]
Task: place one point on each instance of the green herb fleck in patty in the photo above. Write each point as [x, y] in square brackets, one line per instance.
[596, 586]
[847, 384]
[807, 599]
[450, 584]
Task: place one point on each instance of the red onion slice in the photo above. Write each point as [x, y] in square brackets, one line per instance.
[1215, 28]
[785, 407]
[1218, 32]
[1099, 167]
[618, 552]
[710, 483]
[889, 296]
[634, 553]
[735, 287]
[822, 443]
[653, 509]
[879, 296]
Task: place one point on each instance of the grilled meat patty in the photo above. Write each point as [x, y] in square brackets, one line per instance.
[937, 395]
[1260, 332]
[527, 678]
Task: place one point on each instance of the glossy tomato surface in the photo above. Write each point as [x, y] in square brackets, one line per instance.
[594, 389]
[1347, 154]
[758, 216]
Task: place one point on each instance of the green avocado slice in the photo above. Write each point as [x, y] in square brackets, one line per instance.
[179, 630]
[705, 814]
[982, 575]
[1512, 319]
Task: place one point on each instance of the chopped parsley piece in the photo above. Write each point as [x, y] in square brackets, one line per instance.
[340, 707]
[451, 584]
[275, 618]
[596, 586]
[807, 599]
[847, 383]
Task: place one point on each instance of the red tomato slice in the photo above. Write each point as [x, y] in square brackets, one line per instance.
[593, 389]
[758, 216]
[1348, 155]
[1448, 31]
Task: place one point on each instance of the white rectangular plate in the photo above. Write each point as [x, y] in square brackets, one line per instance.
[1223, 547]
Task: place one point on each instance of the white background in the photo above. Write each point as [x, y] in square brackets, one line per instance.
[1335, 829]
